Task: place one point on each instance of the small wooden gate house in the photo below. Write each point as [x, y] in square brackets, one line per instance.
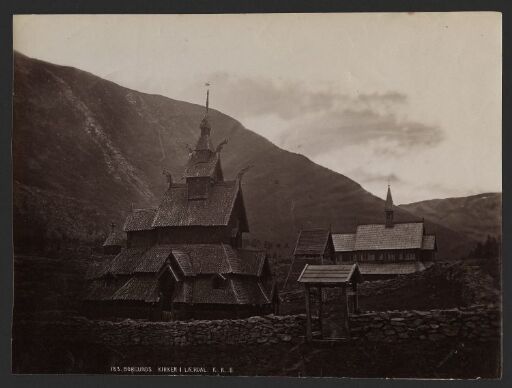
[343, 276]
[184, 259]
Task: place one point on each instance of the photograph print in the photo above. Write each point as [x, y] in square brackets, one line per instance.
[288, 195]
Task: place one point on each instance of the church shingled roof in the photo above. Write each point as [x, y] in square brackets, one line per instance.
[139, 288]
[215, 210]
[379, 237]
[343, 242]
[196, 167]
[115, 238]
[196, 261]
[153, 259]
[125, 262]
[312, 242]
[139, 219]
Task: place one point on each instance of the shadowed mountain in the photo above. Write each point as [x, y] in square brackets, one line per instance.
[476, 216]
[85, 150]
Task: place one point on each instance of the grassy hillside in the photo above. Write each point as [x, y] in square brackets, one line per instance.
[476, 216]
[86, 150]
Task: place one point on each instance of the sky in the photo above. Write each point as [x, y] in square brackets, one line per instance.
[409, 99]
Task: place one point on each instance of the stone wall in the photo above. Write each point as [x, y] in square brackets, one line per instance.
[472, 323]
[476, 286]
[449, 271]
[255, 330]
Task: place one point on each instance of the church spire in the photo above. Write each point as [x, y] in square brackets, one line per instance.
[204, 142]
[389, 200]
[207, 97]
[388, 208]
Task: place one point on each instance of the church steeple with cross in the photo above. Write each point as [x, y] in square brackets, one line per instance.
[388, 208]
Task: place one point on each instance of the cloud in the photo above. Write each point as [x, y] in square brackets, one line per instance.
[261, 96]
[314, 121]
[366, 176]
[387, 134]
[369, 137]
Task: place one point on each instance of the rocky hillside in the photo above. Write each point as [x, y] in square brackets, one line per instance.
[85, 150]
[476, 216]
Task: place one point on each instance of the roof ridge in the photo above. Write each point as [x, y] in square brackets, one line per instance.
[260, 285]
[227, 258]
[395, 223]
[233, 288]
[238, 189]
[144, 209]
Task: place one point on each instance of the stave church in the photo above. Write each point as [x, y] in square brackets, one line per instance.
[184, 259]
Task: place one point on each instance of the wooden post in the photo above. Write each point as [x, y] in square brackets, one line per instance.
[320, 303]
[309, 335]
[354, 290]
[345, 308]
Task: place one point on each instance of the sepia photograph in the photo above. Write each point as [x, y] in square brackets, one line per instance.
[287, 195]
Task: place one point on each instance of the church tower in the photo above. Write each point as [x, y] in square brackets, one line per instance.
[388, 209]
[203, 168]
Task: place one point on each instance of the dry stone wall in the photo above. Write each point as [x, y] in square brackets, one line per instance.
[475, 323]
[472, 323]
[254, 330]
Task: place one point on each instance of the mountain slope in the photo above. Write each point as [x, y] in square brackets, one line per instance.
[85, 150]
[476, 216]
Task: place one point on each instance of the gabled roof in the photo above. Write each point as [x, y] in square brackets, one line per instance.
[399, 236]
[343, 242]
[204, 258]
[199, 259]
[97, 269]
[139, 288]
[249, 292]
[115, 238]
[125, 262]
[429, 243]
[330, 274]
[199, 167]
[407, 267]
[241, 291]
[184, 261]
[192, 260]
[153, 259]
[199, 263]
[312, 242]
[139, 219]
[215, 210]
